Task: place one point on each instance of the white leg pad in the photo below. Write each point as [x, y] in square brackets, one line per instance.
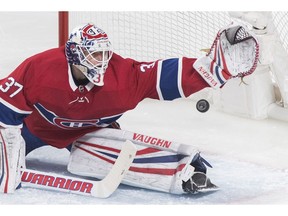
[153, 168]
[12, 158]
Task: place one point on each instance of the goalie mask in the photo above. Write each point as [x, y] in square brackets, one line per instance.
[89, 48]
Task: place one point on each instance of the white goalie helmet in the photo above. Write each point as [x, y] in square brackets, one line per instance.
[89, 48]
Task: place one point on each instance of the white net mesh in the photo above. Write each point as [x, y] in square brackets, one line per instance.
[280, 20]
[147, 36]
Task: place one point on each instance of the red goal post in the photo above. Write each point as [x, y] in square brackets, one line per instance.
[63, 28]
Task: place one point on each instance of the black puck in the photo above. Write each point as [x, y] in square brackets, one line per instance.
[202, 105]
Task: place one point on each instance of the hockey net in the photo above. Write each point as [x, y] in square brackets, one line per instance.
[146, 36]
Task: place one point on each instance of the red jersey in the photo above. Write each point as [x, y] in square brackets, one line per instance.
[41, 91]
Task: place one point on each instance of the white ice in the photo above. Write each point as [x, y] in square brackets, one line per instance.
[249, 157]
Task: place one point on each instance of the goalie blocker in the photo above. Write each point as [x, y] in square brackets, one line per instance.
[159, 165]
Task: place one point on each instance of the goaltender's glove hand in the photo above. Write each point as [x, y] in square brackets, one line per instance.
[234, 53]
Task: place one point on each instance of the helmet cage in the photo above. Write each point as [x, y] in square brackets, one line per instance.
[94, 58]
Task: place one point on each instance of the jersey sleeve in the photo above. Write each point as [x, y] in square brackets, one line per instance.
[13, 104]
[168, 79]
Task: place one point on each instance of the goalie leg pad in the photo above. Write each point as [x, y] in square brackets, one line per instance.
[12, 159]
[93, 155]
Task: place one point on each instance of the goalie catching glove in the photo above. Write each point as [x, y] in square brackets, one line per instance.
[234, 53]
